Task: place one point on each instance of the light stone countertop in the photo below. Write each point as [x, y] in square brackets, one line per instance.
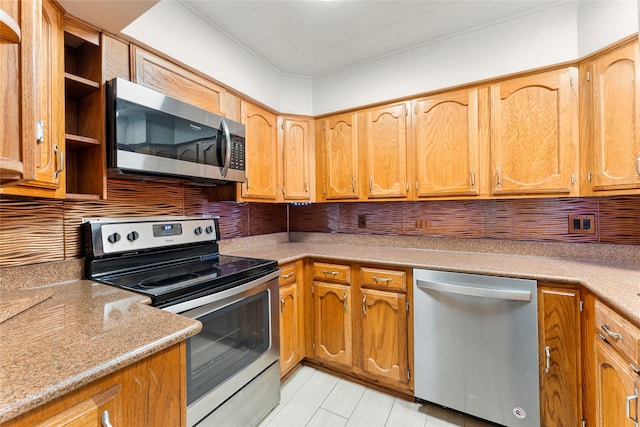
[615, 282]
[82, 332]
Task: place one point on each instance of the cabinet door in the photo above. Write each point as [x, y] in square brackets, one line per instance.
[42, 125]
[383, 137]
[289, 333]
[384, 334]
[261, 143]
[340, 157]
[446, 142]
[166, 77]
[333, 331]
[559, 345]
[296, 159]
[615, 162]
[617, 388]
[534, 134]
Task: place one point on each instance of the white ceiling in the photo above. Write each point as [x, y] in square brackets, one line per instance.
[313, 38]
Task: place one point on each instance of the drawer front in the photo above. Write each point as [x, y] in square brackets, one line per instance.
[333, 272]
[622, 335]
[288, 273]
[390, 279]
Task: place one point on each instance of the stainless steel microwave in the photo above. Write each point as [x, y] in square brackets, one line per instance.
[153, 134]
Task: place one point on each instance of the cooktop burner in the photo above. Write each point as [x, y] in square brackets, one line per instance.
[169, 259]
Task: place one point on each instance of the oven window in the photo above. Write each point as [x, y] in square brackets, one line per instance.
[230, 340]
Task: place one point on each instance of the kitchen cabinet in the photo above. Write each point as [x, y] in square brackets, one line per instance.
[261, 148]
[33, 146]
[560, 356]
[291, 316]
[383, 140]
[610, 96]
[534, 134]
[339, 170]
[149, 392]
[84, 112]
[447, 144]
[383, 321]
[331, 290]
[164, 76]
[296, 148]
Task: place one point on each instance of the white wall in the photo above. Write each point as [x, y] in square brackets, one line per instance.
[564, 33]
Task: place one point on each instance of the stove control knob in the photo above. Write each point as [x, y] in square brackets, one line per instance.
[133, 236]
[114, 237]
[198, 231]
[209, 229]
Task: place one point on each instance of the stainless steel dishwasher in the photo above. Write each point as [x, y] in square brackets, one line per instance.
[476, 345]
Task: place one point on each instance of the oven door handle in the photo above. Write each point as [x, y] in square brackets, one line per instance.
[227, 150]
[474, 291]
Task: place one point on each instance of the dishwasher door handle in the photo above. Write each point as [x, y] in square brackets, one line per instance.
[474, 291]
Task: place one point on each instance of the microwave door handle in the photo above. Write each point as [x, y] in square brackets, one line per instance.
[227, 152]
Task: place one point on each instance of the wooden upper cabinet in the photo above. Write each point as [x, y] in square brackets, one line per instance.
[166, 77]
[383, 136]
[534, 134]
[446, 144]
[340, 157]
[296, 153]
[33, 123]
[613, 157]
[261, 148]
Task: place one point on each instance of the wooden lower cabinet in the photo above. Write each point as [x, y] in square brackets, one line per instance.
[560, 356]
[333, 324]
[384, 334]
[151, 392]
[291, 321]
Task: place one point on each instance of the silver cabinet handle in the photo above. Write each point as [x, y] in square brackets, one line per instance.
[609, 332]
[499, 178]
[353, 184]
[104, 420]
[364, 304]
[281, 305]
[473, 178]
[286, 276]
[227, 151]
[634, 396]
[306, 186]
[475, 291]
[370, 184]
[247, 182]
[638, 165]
[344, 301]
[381, 279]
[332, 273]
[547, 354]
[60, 167]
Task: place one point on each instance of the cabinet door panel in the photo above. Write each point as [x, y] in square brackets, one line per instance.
[446, 144]
[333, 332]
[534, 134]
[384, 334]
[340, 157]
[559, 346]
[261, 150]
[615, 382]
[289, 341]
[296, 155]
[616, 120]
[383, 136]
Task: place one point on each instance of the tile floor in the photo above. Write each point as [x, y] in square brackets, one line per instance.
[314, 398]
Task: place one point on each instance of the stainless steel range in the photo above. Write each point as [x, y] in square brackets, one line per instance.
[233, 370]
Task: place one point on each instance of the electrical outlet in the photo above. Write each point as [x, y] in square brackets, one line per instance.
[362, 221]
[582, 224]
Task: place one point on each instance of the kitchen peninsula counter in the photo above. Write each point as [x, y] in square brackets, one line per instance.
[80, 332]
[613, 281]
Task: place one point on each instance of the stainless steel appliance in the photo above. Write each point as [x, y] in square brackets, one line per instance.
[151, 133]
[233, 369]
[476, 345]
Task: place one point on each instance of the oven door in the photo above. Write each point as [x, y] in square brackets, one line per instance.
[238, 341]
